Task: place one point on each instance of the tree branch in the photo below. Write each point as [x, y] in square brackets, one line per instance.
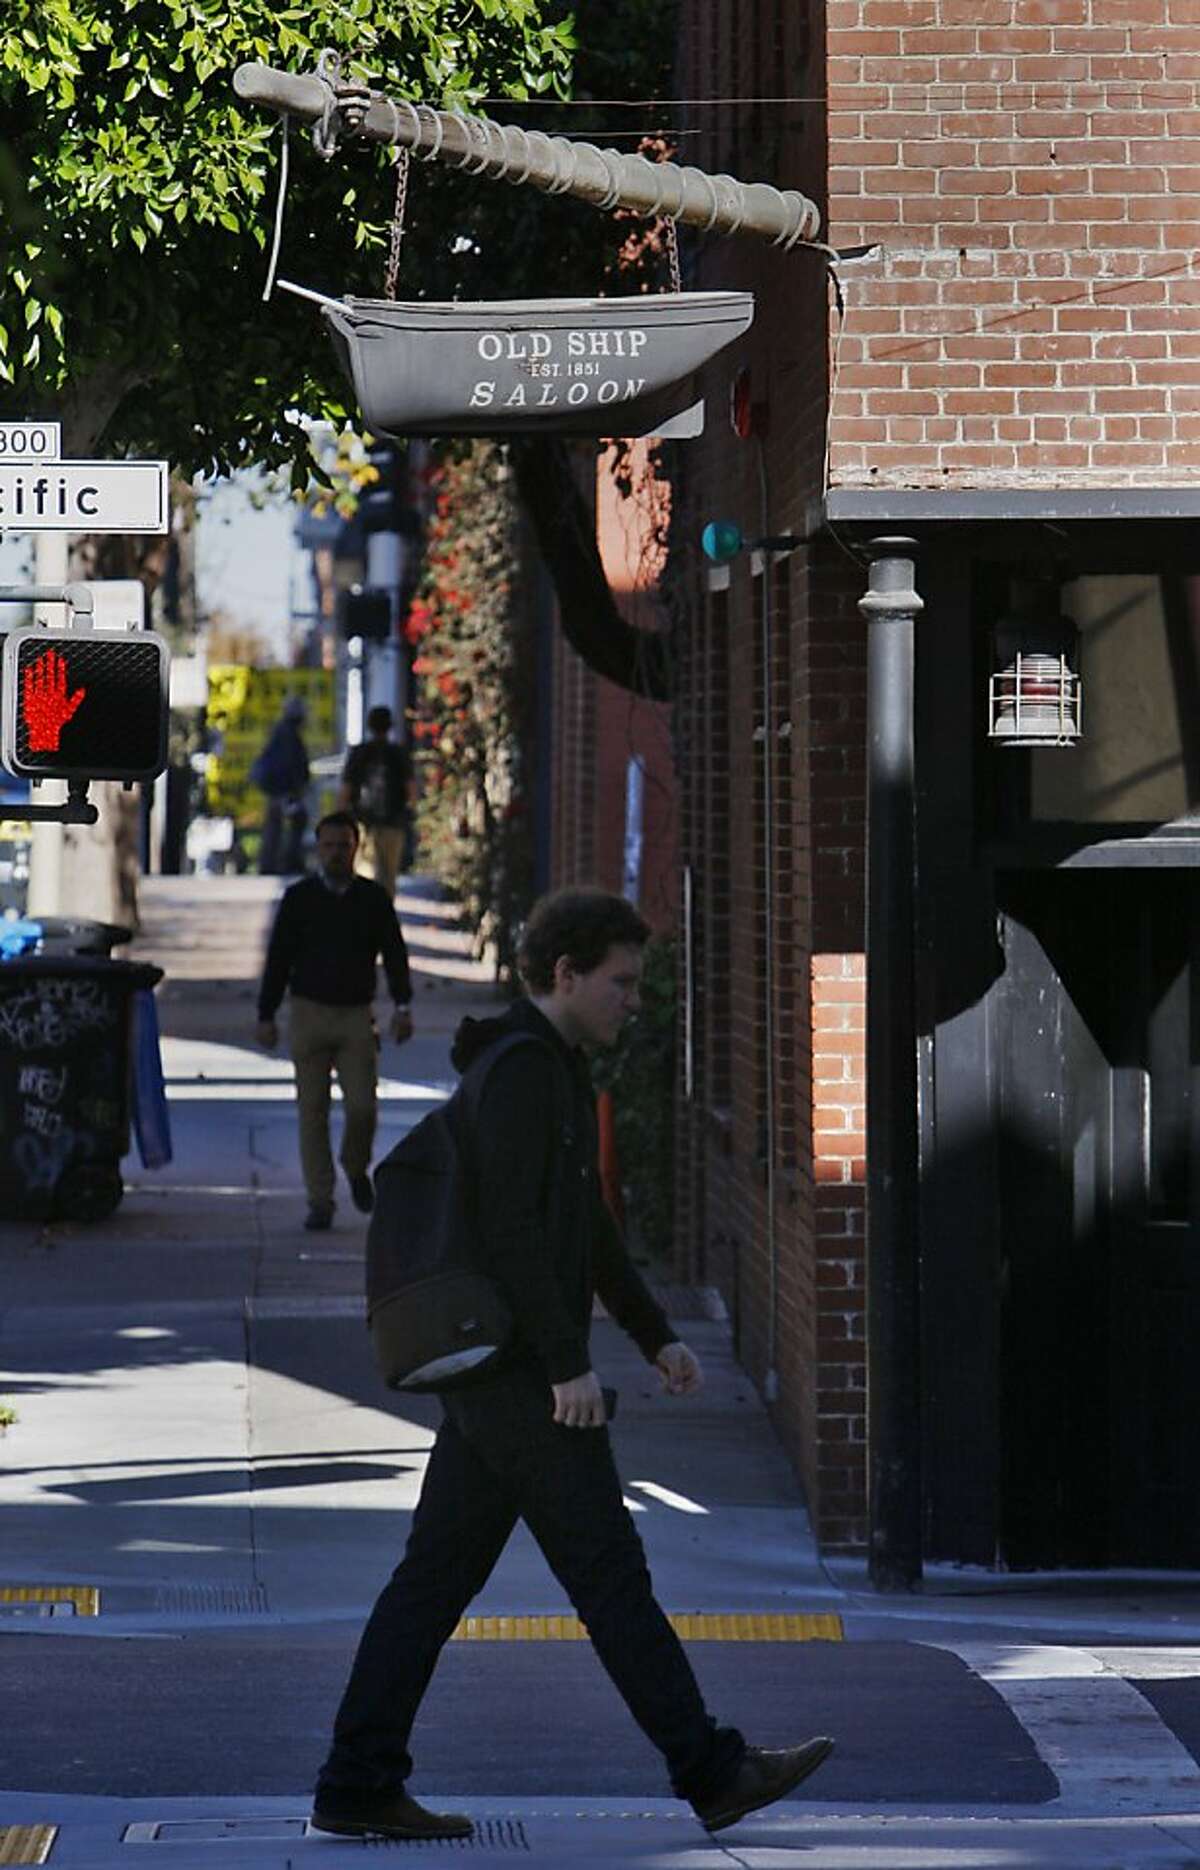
[565, 529]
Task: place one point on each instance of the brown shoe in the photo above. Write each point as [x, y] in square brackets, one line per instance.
[761, 1778]
[352, 1814]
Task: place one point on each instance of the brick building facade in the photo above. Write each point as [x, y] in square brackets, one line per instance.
[1010, 374]
[999, 362]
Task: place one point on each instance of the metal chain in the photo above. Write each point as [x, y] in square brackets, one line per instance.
[393, 265]
[673, 255]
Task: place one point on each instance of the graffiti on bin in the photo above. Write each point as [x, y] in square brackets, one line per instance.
[45, 1082]
[52, 1012]
[60, 1099]
[42, 1159]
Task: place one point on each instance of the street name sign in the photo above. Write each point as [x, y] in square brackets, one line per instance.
[30, 441]
[83, 496]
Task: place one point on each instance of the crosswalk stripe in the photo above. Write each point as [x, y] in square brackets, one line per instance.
[1100, 1738]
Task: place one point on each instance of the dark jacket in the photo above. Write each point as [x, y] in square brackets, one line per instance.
[325, 944]
[281, 770]
[549, 1238]
[377, 774]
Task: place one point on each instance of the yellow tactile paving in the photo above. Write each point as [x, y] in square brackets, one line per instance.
[85, 1597]
[26, 1844]
[754, 1627]
[697, 1627]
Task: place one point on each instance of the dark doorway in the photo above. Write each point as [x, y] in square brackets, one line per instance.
[1096, 1048]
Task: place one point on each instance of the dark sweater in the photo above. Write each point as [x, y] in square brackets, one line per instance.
[535, 1129]
[325, 945]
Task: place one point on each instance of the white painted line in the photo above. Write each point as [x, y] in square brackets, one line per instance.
[1101, 1739]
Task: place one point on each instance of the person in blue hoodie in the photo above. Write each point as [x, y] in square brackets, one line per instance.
[281, 772]
[528, 1440]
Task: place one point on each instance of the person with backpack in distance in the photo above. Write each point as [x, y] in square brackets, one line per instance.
[525, 1436]
[378, 787]
[281, 772]
[330, 930]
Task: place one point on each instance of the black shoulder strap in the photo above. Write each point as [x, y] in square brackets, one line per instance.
[471, 1085]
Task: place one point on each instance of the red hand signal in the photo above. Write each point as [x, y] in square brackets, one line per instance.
[45, 703]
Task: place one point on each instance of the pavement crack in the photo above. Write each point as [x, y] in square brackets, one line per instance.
[1186, 1843]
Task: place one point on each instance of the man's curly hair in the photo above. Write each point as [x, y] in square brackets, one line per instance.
[582, 924]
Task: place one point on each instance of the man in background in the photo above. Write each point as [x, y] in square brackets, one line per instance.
[377, 786]
[281, 772]
[330, 931]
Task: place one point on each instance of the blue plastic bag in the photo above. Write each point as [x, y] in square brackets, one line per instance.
[18, 937]
[151, 1116]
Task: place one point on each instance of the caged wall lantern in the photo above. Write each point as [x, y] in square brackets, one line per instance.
[1034, 695]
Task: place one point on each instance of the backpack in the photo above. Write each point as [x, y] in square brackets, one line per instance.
[436, 1319]
[378, 777]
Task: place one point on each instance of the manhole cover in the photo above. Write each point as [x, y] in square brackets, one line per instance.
[211, 1830]
[490, 1834]
[211, 1599]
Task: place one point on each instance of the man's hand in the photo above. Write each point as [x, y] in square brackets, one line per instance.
[579, 1403]
[267, 1033]
[679, 1369]
[402, 1024]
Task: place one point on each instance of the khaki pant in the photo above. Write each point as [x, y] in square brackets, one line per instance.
[380, 853]
[325, 1039]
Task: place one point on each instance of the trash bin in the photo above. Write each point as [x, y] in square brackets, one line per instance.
[75, 935]
[66, 1065]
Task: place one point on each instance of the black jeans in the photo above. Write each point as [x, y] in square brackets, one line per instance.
[499, 1457]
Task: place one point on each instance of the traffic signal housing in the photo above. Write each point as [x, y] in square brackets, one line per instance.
[366, 612]
[85, 704]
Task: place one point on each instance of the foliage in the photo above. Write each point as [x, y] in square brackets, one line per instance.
[640, 1073]
[472, 638]
[8, 1415]
[134, 206]
[136, 201]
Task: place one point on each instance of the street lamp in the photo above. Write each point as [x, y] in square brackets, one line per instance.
[1034, 697]
[722, 540]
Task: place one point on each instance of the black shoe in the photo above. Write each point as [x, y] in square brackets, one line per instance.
[319, 1217]
[383, 1814]
[361, 1193]
[761, 1778]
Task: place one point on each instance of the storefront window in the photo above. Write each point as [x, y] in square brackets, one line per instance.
[1138, 758]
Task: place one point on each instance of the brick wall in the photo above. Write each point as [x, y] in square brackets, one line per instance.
[838, 987]
[792, 1277]
[1031, 169]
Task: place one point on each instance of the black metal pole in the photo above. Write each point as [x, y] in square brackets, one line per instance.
[890, 609]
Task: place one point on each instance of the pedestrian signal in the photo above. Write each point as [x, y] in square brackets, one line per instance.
[80, 704]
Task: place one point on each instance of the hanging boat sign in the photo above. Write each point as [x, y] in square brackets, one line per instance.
[599, 367]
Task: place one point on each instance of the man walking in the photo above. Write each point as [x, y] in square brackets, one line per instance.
[329, 932]
[528, 1440]
[377, 786]
[281, 772]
